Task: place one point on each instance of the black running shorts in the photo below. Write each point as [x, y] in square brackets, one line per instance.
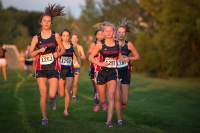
[92, 73]
[66, 73]
[124, 75]
[105, 75]
[47, 74]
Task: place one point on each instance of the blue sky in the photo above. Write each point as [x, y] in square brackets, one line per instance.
[39, 5]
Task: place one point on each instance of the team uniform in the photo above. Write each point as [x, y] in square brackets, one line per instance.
[92, 71]
[66, 61]
[93, 67]
[46, 64]
[77, 66]
[109, 55]
[124, 68]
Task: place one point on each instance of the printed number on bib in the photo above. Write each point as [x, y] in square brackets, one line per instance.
[66, 61]
[121, 64]
[46, 59]
[112, 63]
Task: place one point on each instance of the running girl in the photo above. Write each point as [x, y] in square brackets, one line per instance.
[94, 69]
[77, 65]
[67, 70]
[47, 47]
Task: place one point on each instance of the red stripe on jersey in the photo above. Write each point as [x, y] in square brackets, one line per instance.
[100, 59]
[38, 66]
[58, 66]
[130, 67]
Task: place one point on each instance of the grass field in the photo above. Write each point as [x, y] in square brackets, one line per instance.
[155, 106]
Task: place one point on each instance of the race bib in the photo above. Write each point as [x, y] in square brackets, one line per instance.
[46, 59]
[112, 63]
[121, 64]
[66, 61]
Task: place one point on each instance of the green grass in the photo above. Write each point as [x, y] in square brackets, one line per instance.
[155, 106]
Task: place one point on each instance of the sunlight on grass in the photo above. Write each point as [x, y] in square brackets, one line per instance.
[155, 105]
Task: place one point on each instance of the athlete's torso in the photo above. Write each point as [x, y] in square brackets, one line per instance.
[66, 60]
[124, 49]
[75, 61]
[125, 52]
[46, 60]
[110, 54]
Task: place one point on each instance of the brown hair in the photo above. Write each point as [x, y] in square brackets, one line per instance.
[126, 24]
[66, 30]
[53, 10]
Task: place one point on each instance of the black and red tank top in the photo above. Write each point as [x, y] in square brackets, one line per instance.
[92, 66]
[66, 60]
[110, 54]
[124, 50]
[46, 60]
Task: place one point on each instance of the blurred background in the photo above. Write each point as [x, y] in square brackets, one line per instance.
[165, 32]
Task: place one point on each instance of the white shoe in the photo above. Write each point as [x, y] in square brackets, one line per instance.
[66, 113]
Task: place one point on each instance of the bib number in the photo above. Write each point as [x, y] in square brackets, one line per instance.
[112, 63]
[121, 64]
[66, 61]
[46, 59]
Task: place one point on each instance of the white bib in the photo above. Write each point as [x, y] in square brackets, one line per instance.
[112, 63]
[121, 64]
[46, 59]
[66, 61]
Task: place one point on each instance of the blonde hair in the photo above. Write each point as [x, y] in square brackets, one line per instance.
[108, 24]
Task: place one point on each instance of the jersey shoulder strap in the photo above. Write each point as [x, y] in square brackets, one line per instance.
[126, 42]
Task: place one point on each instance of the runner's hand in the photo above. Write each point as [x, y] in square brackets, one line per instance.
[124, 58]
[55, 55]
[42, 49]
[102, 64]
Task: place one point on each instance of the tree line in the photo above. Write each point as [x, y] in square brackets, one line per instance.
[165, 32]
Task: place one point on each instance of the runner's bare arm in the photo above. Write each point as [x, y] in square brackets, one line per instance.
[135, 55]
[91, 48]
[77, 56]
[82, 54]
[94, 52]
[61, 49]
[32, 50]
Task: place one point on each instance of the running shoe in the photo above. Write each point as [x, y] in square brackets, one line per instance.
[44, 122]
[109, 124]
[104, 107]
[120, 122]
[96, 108]
[74, 98]
[66, 113]
[52, 104]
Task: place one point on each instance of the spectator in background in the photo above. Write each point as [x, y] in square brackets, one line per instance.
[28, 61]
[3, 63]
